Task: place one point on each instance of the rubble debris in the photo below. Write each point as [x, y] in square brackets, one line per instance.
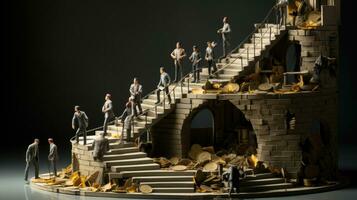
[179, 168]
[92, 178]
[145, 189]
[174, 160]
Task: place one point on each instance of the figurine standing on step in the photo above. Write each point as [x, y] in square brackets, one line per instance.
[209, 57]
[100, 147]
[281, 11]
[80, 122]
[53, 155]
[195, 58]
[232, 176]
[32, 158]
[225, 31]
[136, 90]
[163, 85]
[107, 109]
[126, 119]
[177, 55]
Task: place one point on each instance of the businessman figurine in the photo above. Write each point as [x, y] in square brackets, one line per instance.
[225, 31]
[107, 109]
[177, 55]
[80, 122]
[100, 147]
[163, 85]
[136, 89]
[32, 158]
[53, 155]
[195, 58]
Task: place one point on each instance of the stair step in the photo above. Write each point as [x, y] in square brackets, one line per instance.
[262, 181]
[157, 173]
[260, 176]
[173, 190]
[137, 167]
[162, 178]
[115, 145]
[123, 150]
[134, 161]
[259, 188]
[124, 156]
[178, 184]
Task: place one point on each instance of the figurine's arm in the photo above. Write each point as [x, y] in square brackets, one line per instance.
[74, 121]
[131, 90]
[28, 152]
[173, 54]
[226, 28]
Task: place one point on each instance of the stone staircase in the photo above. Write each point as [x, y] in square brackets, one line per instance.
[263, 182]
[242, 61]
[126, 161]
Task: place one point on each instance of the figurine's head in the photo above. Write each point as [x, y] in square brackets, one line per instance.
[178, 45]
[209, 44]
[37, 141]
[225, 19]
[195, 48]
[50, 140]
[108, 96]
[77, 108]
[136, 80]
[162, 70]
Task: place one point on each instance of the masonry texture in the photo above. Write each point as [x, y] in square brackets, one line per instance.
[86, 164]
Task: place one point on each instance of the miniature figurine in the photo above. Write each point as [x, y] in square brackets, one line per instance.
[195, 58]
[177, 55]
[225, 32]
[163, 85]
[100, 147]
[281, 11]
[80, 122]
[232, 176]
[53, 155]
[126, 119]
[136, 89]
[107, 109]
[209, 57]
[32, 158]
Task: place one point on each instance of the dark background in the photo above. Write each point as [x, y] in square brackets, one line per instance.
[60, 53]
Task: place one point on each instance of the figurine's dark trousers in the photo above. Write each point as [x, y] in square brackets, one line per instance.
[196, 73]
[84, 133]
[35, 164]
[166, 89]
[54, 166]
[178, 70]
[210, 65]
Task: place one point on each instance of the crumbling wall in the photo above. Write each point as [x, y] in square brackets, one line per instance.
[278, 143]
[314, 42]
[82, 161]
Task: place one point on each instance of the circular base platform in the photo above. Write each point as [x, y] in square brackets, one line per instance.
[271, 193]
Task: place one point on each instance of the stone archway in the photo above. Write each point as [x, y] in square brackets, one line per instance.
[202, 128]
[230, 129]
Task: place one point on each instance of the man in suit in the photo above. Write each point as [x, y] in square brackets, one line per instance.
[136, 90]
[281, 6]
[80, 122]
[53, 155]
[209, 57]
[100, 147]
[163, 85]
[107, 109]
[177, 55]
[195, 58]
[32, 158]
[225, 31]
[232, 176]
[126, 119]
